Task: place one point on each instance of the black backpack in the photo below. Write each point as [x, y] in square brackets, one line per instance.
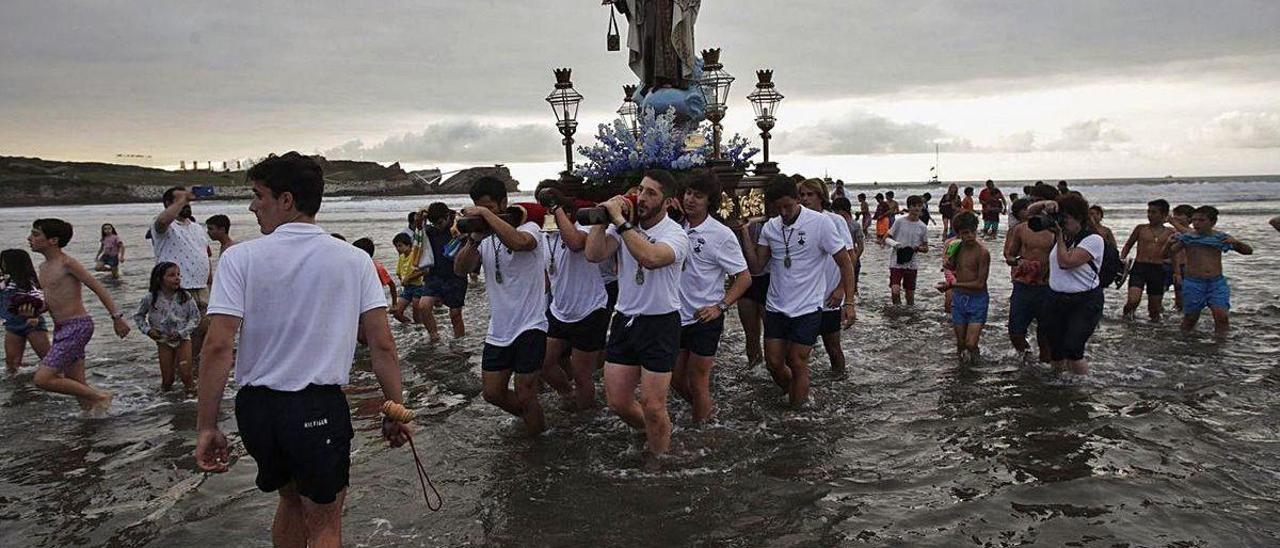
[1112, 267]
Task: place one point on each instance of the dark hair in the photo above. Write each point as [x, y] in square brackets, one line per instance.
[927, 196]
[1026, 189]
[1044, 192]
[16, 264]
[167, 197]
[1161, 205]
[968, 191]
[220, 221]
[842, 204]
[914, 200]
[706, 182]
[339, 236]
[437, 211]
[889, 194]
[54, 228]
[1208, 211]
[879, 196]
[157, 281]
[1184, 209]
[1075, 206]
[1097, 208]
[364, 244]
[780, 187]
[862, 197]
[113, 228]
[402, 239]
[990, 183]
[1013, 195]
[965, 220]
[670, 187]
[1019, 206]
[412, 216]
[294, 173]
[489, 186]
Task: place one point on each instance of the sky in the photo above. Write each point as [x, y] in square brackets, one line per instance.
[1021, 89]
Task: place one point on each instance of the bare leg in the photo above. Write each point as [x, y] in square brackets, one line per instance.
[1155, 307]
[423, 311]
[166, 354]
[14, 347]
[749, 312]
[653, 404]
[680, 376]
[552, 371]
[71, 383]
[911, 298]
[497, 393]
[775, 358]
[835, 353]
[895, 293]
[1189, 321]
[698, 379]
[182, 357]
[455, 319]
[581, 366]
[1130, 305]
[527, 398]
[397, 312]
[798, 363]
[1221, 321]
[959, 329]
[39, 342]
[973, 333]
[289, 529]
[1019, 341]
[620, 382]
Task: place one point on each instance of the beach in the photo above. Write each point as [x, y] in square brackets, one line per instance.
[1173, 440]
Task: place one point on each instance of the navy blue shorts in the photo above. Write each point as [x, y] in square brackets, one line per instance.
[450, 290]
[611, 295]
[586, 335]
[800, 330]
[651, 342]
[701, 338]
[759, 290]
[301, 437]
[1026, 304]
[412, 291]
[830, 322]
[524, 355]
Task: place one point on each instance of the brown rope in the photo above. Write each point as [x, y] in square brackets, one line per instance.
[400, 413]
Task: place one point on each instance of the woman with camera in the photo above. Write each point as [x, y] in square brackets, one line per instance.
[1074, 307]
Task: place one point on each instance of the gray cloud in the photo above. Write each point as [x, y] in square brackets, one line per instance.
[868, 134]
[1095, 135]
[458, 142]
[1243, 130]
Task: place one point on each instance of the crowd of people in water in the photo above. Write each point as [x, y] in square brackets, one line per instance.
[636, 287]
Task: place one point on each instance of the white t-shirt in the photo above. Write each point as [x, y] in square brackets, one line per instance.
[1080, 278]
[907, 233]
[300, 293]
[660, 291]
[810, 241]
[185, 244]
[714, 254]
[832, 270]
[577, 289]
[519, 303]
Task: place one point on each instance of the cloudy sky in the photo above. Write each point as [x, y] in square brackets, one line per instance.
[1016, 89]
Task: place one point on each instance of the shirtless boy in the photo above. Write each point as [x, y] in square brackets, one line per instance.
[1204, 285]
[61, 277]
[1181, 222]
[1027, 253]
[1149, 268]
[971, 263]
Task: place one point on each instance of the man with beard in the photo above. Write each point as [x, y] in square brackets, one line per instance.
[796, 245]
[178, 239]
[514, 260]
[644, 336]
[714, 254]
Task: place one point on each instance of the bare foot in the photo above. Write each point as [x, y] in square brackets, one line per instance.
[99, 409]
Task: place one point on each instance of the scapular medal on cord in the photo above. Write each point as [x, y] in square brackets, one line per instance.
[497, 263]
[786, 244]
[639, 275]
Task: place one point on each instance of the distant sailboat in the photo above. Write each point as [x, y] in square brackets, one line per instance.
[935, 170]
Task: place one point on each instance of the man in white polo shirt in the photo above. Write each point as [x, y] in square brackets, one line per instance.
[579, 316]
[178, 239]
[796, 245]
[644, 336]
[514, 262]
[714, 255]
[813, 195]
[295, 352]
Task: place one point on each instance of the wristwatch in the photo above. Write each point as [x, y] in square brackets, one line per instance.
[723, 306]
[625, 226]
[117, 316]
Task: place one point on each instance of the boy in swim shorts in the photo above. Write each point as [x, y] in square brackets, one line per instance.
[971, 263]
[62, 369]
[1204, 285]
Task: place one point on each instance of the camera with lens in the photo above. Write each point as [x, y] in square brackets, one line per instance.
[475, 223]
[1044, 221]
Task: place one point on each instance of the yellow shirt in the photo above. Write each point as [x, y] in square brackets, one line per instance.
[406, 268]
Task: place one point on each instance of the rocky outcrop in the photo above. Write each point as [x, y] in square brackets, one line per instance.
[460, 183]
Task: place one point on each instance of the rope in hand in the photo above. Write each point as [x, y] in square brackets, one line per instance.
[402, 414]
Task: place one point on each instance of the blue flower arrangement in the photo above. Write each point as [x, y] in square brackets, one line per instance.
[619, 157]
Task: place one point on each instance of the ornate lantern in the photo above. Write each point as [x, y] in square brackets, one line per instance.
[715, 84]
[629, 112]
[765, 99]
[564, 101]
